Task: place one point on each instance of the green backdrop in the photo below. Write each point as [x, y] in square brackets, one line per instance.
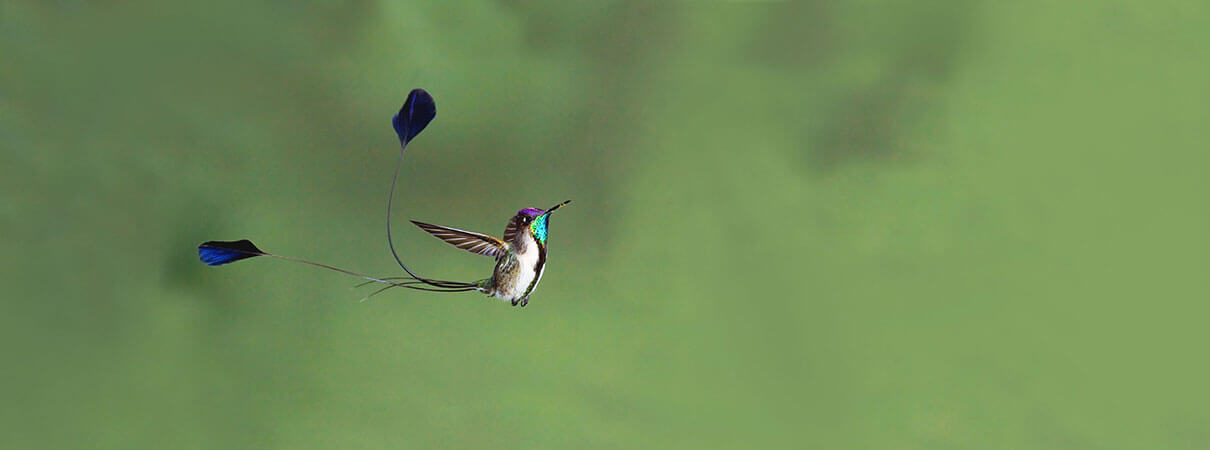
[799, 224]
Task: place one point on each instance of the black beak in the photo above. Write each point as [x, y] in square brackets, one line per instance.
[553, 208]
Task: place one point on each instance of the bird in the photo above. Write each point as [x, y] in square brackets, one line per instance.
[520, 255]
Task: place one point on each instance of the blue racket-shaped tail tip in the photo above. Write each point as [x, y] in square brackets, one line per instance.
[217, 253]
[417, 111]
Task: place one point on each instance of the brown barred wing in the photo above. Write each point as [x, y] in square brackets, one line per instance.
[467, 240]
[514, 226]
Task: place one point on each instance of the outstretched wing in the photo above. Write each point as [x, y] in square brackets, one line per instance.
[467, 240]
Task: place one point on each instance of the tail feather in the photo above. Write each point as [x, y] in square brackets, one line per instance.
[217, 253]
[417, 111]
[409, 281]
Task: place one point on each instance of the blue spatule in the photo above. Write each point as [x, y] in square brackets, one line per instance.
[217, 253]
[417, 111]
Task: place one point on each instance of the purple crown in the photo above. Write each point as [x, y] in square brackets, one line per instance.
[532, 212]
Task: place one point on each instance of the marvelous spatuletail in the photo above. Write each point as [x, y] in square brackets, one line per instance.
[520, 255]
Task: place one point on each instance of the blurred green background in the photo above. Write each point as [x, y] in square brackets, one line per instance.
[873, 224]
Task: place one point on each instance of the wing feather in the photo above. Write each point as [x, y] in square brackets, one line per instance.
[510, 232]
[467, 240]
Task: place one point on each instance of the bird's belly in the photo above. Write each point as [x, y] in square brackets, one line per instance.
[516, 289]
[512, 286]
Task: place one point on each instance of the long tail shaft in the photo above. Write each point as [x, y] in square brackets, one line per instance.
[418, 110]
[217, 253]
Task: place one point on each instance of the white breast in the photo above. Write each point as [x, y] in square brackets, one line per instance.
[527, 260]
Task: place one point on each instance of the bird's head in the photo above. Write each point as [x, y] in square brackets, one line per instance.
[534, 221]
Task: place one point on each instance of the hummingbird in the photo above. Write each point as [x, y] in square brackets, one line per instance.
[520, 255]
